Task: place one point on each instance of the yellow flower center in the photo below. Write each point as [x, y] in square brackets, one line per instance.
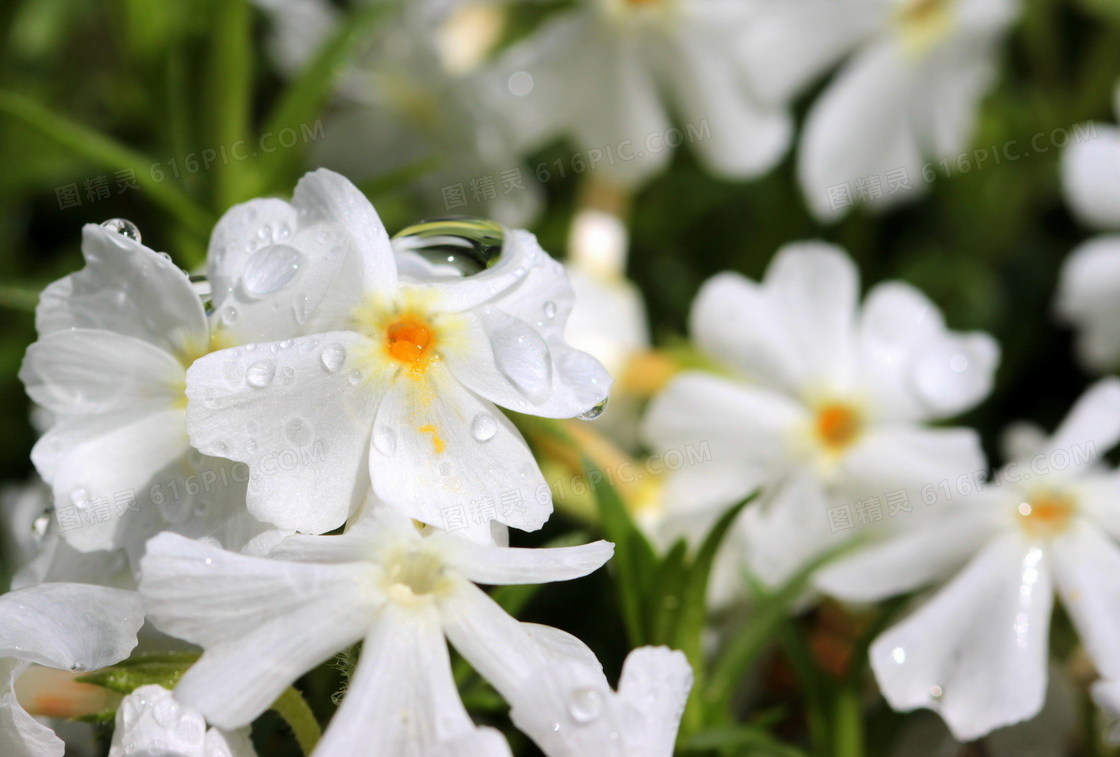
[923, 23]
[1046, 513]
[409, 339]
[837, 425]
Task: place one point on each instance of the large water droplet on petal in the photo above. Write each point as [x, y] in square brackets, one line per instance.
[595, 410]
[483, 427]
[585, 705]
[260, 374]
[333, 357]
[270, 269]
[462, 246]
[122, 226]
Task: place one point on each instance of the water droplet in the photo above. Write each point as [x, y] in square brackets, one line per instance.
[467, 245]
[283, 232]
[122, 226]
[333, 357]
[483, 427]
[270, 269]
[251, 446]
[250, 347]
[550, 310]
[79, 498]
[229, 316]
[40, 525]
[355, 377]
[595, 411]
[520, 83]
[523, 357]
[260, 374]
[936, 692]
[286, 344]
[585, 705]
[385, 440]
[297, 431]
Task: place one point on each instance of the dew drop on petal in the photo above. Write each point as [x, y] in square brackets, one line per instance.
[355, 377]
[483, 427]
[550, 310]
[297, 431]
[79, 498]
[122, 226]
[333, 357]
[595, 410]
[463, 246]
[270, 269]
[229, 316]
[585, 705]
[385, 440]
[261, 373]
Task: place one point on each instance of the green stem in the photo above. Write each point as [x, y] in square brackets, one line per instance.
[109, 154]
[847, 731]
[230, 83]
[298, 715]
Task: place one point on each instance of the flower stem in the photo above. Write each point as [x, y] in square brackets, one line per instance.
[298, 715]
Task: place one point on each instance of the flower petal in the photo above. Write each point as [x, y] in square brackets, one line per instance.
[21, 734]
[129, 289]
[299, 414]
[1085, 565]
[88, 371]
[1091, 177]
[975, 652]
[813, 288]
[450, 459]
[741, 428]
[506, 565]
[69, 626]
[261, 622]
[1087, 299]
[402, 699]
[1089, 431]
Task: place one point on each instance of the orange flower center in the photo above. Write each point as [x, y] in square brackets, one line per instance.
[838, 425]
[408, 340]
[1046, 514]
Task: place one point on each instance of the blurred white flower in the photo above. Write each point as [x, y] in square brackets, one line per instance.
[150, 723]
[606, 72]
[823, 405]
[68, 627]
[976, 651]
[915, 73]
[397, 387]
[264, 622]
[1089, 290]
[411, 99]
[115, 340]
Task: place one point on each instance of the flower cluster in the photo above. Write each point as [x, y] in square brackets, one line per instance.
[261, 463]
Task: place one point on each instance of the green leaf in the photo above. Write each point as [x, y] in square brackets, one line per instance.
[752, 740]
[770, 611]
[229, 85]
[634, 563]
[110, 154]
[18, 298]
[125, 677]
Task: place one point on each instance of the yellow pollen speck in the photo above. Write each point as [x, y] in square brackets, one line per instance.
[437, 440]
[1046, 513]
[837, 425]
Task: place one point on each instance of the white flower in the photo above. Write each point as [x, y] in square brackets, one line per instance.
[399, 386]
[264, 622]
[914, 75]
[600, 73]
[976, 651]
[115, 340]
[409, 99]
[823, 405]
[150, 723]
[1089, 289]
[62, 626]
